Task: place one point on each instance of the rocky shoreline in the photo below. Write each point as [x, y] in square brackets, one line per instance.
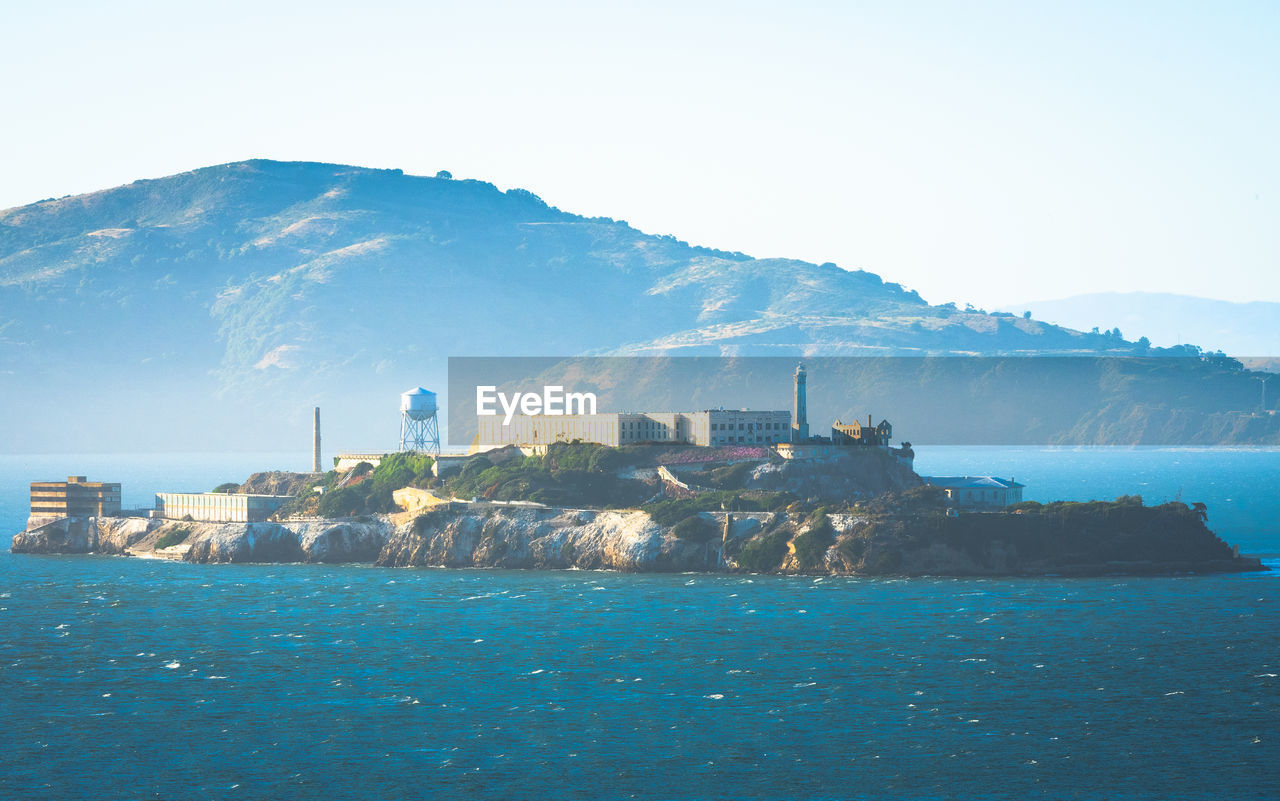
[531, 537]
[501, 537]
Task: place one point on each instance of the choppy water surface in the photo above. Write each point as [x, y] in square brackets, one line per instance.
[124, 679]
[128, 679]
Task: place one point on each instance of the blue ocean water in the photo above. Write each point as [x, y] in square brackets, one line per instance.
[132, 679]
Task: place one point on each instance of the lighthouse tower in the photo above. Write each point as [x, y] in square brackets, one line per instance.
[800, 422]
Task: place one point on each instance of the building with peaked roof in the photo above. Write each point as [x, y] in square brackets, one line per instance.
[977, 492]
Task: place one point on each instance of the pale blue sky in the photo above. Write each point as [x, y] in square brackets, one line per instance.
[978, 152]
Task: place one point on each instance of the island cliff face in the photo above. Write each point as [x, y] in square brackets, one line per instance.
[560, 538]
[494, 536]
[1135, 541]
[208, 543]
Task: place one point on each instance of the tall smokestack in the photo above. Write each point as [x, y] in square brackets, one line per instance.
[315, 442]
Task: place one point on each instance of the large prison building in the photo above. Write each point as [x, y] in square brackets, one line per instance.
[711, 427]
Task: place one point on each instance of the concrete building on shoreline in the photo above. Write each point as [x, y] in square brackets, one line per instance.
[218, 507]
[75, 497]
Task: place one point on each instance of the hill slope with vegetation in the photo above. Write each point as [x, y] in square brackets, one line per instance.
[240, 295]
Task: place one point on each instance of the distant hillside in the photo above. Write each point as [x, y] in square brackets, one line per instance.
[1240, 329]
[209, 310]
[233, 297]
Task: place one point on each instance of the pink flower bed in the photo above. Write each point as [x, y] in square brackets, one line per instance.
[694, 455]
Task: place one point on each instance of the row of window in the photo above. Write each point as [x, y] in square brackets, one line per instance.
[725, 440]
[63, 494]
[747, 426]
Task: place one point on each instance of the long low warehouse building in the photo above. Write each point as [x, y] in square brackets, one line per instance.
[218, 507]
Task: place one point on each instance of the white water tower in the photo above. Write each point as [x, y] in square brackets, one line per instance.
[419, 429]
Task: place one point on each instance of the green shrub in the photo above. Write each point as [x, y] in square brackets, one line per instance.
[764, 553]
[229, 486]
[345, 502]
[668, 512]
[374, 494]
[731, 477]
[173, 536]
[811, 546]
[885, 561]
[307, 499]
[852, 549]
[584, 456]
[774, 501]
[694, 529]
[475, 466]
[1024, 506]
[606, 460]
[569, 455]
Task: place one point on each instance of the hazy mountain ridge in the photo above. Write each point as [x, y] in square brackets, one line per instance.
[241, 294]
[1250, 329]
[238, 234]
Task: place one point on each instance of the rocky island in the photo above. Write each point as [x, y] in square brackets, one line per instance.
[861, 512]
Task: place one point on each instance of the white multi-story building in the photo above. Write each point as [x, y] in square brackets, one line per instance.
[711, 427]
